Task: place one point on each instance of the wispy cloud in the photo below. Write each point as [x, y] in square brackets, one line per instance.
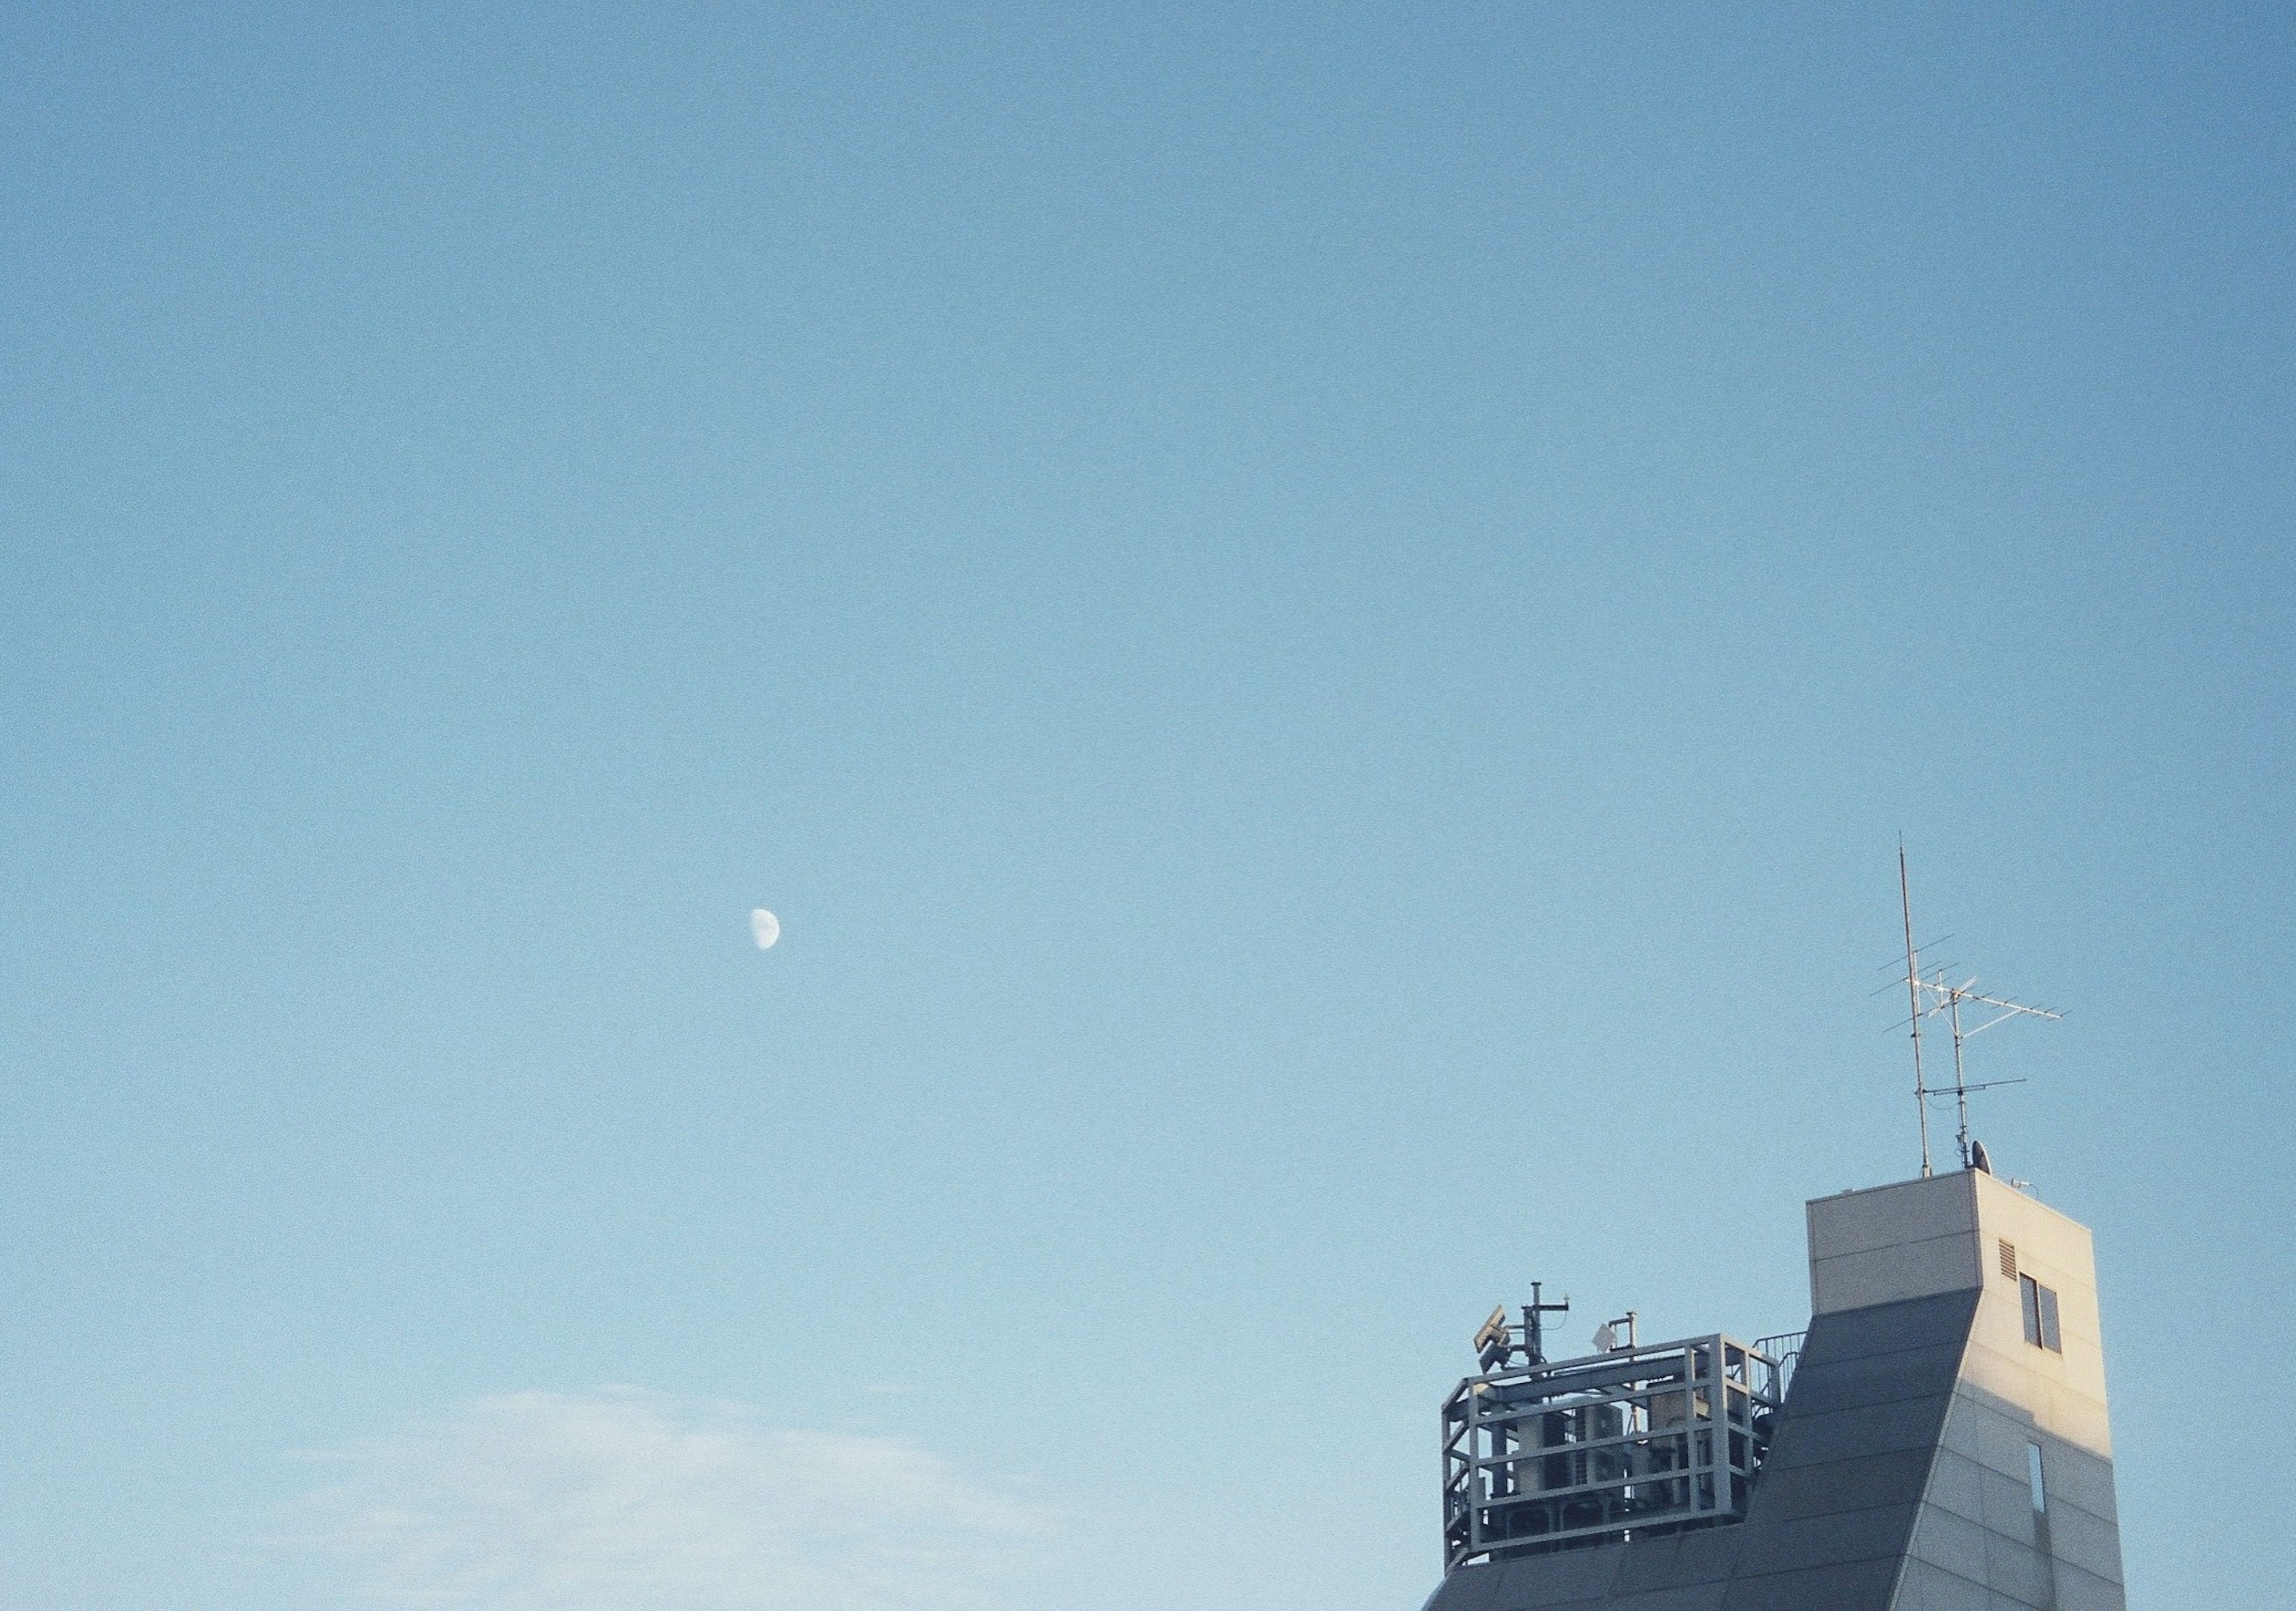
[626, 1500]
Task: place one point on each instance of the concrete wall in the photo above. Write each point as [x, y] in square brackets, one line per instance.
[1912, 1239]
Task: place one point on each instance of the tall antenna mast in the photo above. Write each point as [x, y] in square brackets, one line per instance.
[1914, 1000]
[1930, 996]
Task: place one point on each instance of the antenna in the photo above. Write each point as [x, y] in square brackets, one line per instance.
[1914, 999]
[1495, 1343]
[1929, 997]
[1533, 1314]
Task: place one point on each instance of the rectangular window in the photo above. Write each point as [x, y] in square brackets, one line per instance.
[2040, 1315]
[2033, 1475]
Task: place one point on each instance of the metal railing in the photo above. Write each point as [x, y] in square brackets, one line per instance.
[1785, 1352]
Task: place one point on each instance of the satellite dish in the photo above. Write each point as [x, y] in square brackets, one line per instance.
[1606, 1337]
[1978, 1159]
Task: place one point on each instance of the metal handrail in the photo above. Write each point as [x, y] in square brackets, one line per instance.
[1784, 1352]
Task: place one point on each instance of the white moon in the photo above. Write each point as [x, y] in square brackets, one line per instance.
[765, 927]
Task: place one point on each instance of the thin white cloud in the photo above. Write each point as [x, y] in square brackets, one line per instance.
[626, 1500]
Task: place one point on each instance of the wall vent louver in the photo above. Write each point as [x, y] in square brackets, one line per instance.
[2009, 1260]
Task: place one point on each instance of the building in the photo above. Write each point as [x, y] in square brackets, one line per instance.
[1936, 1441]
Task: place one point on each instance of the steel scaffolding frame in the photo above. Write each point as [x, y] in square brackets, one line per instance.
[1637, 1441]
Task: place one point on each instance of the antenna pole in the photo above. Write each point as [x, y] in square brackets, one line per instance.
[1533, 1314]
[1960, 1085]
[1913, 995]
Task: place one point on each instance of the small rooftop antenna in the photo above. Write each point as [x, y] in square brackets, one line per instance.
[1495, 1343]
[1533, 1312]
[1929, 997]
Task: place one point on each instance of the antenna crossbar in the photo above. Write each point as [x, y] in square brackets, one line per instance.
[1932, 997]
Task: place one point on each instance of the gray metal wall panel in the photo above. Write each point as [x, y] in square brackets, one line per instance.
[1854, 1586]
[1821, 1540]
[1870, 1429]
[2018, 1571]
[2006, 1506]
[2077, 1478]
[1683, 1561]
[1860, 1483]
[1957, 1484]
[1951, 1541]
[1700, 1596]
[1559, 1579]
[1988, 1435]
[1875, 1378]
[2084, 1540]
[1917, 1322]
[1927, 1587]
[2078, 1590]
[1469, 1589]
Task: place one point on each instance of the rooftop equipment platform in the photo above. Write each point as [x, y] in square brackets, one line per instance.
[1631, 1443]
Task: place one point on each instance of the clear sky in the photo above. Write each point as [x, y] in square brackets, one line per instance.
[1321, 622]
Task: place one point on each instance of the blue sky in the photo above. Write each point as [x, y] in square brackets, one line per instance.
[1321, 622]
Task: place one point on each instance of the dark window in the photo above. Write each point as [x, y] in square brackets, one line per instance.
[2033, 1476]
[2040, 1315]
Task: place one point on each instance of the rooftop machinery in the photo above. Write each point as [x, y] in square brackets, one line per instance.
[1631, 1442]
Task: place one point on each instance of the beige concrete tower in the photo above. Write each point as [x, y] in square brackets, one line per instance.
[2019, 1501]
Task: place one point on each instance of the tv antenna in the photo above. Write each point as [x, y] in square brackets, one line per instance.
[1932, 997]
